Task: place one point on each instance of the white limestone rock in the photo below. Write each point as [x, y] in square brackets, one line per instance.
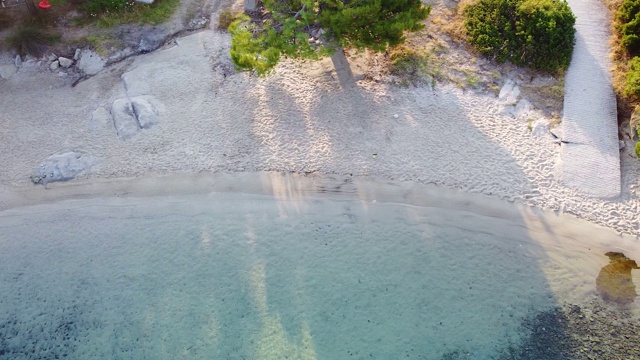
[7, 71]
[64, 62]
[62, 166]
[509, 93]
[124, 119]
[145, 113]
[90, 63]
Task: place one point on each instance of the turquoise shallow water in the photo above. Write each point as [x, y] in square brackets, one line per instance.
[232, 276]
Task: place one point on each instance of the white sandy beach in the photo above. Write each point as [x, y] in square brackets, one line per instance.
[300, 119]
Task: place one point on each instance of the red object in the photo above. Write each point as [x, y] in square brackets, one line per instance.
[44, 4]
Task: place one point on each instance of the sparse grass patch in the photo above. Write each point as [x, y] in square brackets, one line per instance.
[494, 87]
[100, 43]
[412, 67]
[31, 40]
[158, 12]
[556, 121]
[548, 96]
[471, 79]
[226, 18]
[451, 22]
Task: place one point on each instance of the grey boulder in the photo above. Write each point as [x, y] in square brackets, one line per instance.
[62, 166]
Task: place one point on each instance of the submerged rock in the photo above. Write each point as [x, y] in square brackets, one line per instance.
[614, 283]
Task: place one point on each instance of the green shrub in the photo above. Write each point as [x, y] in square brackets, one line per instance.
[628, 10]
[632, 83]
[31, 40]
[534, 33]
[637, 150]
[629, 26]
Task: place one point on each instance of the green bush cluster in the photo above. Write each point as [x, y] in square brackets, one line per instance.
[629, 26]
[632, 83]
[533, 33]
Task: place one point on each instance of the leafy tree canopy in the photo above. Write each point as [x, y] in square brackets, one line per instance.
[310, 29]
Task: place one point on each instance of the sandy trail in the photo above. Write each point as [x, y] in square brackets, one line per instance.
[299, 119]
[590, 152]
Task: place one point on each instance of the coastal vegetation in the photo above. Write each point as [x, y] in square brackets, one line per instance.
[626, 64]
[534, 33]
[311, 29]
[32, 31]
[627, 24]
[30, 39]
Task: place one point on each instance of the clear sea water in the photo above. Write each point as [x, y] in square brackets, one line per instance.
[233, 276]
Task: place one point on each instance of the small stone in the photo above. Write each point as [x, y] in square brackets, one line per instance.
[52, 57]
[509, 110]
[7, 71]
[621, 144]
[540, 128]
[64, 62]
[523, 108]
[509, 93]
[395, 116]
[76, 56]
[54, 65]
[18, 61]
